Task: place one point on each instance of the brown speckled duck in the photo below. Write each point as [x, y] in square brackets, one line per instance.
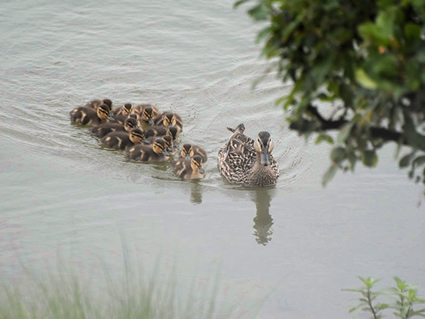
[247, 162]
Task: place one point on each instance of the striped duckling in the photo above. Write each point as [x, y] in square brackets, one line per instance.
[169, 118]
[122, 112]
[190, 150]
[159, 130]
[189, 168]
[121, 140]
[146, 113]
[153, 153]
[106, 128]
[94, 104]
[90, 116]
[168, 143]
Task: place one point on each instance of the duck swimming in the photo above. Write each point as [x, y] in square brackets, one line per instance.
[153, 153]
[247, 162]
[121, 140]
[169, 118]
[94, 104]
[190, 150]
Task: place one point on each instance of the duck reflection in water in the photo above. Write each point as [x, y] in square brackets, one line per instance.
[195, 192]
[263, 221]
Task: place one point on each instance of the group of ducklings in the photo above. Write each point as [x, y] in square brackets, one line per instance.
[147, 135]
[144, 134]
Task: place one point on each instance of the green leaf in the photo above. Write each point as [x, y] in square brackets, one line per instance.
[418, 161]
[338, 154]
[264, 33]
[412, 31]
[405, 160]
[260, 12]
[324, 137]
[238, 3]
[370, 158]
[364, 80]
[330, 173]
[344, 133]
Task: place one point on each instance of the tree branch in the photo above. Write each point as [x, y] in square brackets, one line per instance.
[322, 124]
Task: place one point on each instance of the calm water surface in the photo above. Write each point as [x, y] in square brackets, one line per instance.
[63, 195]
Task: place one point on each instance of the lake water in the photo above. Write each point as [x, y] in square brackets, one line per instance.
[64, 197]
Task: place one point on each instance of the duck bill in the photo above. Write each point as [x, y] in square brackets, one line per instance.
[150, 121]
[201, 170]
[111, 116]
[264, 158]
[145, 140]
[165, 152]
[170, 149]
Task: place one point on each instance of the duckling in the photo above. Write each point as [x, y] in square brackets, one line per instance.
[146, 113]
[126, 109]
[169, 118]
[159, 130]
[89, 116]
[154, 153]
[190, 150]
[168, 143]
[247, 162]
[123, 112]
[121, 140]
[106, 128]
[94, 104]
[189, 168]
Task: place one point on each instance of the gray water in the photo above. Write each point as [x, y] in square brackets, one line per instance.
[64, 197]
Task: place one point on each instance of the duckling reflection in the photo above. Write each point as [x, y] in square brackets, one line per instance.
[263, 221]
[195, 192]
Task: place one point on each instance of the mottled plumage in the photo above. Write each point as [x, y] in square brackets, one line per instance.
[189, 168]
[247, 162]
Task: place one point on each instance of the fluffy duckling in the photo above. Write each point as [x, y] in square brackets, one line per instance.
[169, 118]
[94, 104]
[190, 150]
[189, 168]
[158, 130]
[146, 113]
[122, 113]
[168, 143]
[121, 140]
[106, 128]
[126, 109]
[154, 153]
[89, 116]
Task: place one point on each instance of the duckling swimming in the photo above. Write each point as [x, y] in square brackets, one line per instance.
[169, 118]
[146, 113]
[106, 128]
[89, 116]
[247, 162]
[124, 109]
[94, 104]
[121, 140]
[189, 168]
[190, 150]
[159, 130]
[154, 153]
[168, 143]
